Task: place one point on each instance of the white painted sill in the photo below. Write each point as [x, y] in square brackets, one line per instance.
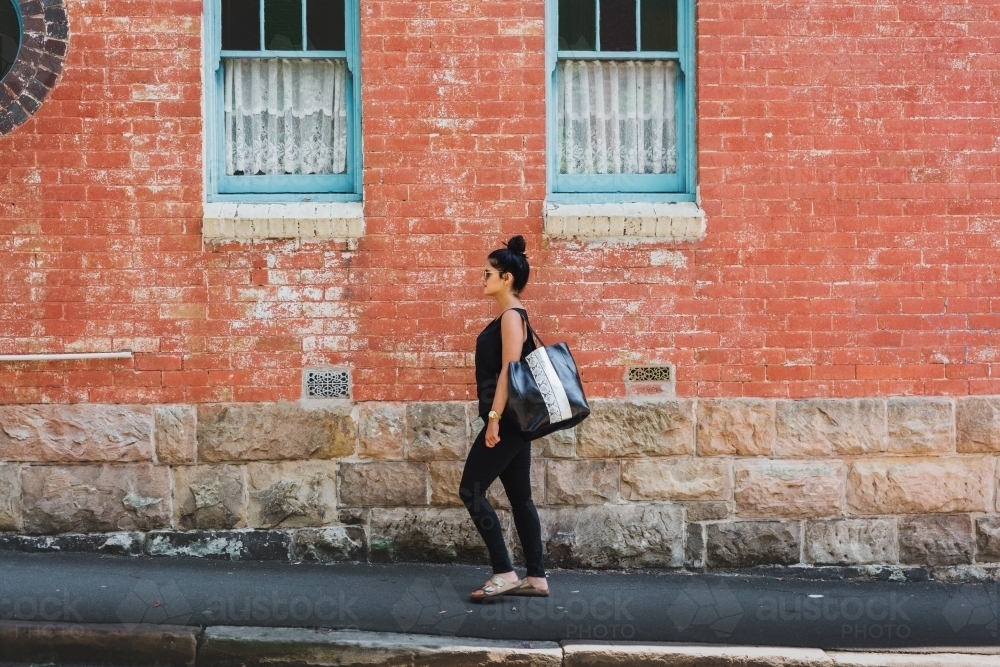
[319, 221]
[638, 221]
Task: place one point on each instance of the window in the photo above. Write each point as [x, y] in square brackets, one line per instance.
[10, 36]
[621, 102]
[284, 121]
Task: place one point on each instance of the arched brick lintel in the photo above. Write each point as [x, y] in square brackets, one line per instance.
[38, 63]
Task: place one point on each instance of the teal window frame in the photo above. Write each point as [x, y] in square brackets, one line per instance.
[612, 188]
[288, 187]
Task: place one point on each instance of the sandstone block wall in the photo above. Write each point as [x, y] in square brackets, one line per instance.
[706, 483]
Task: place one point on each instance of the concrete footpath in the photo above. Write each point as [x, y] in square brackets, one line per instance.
[96, 609]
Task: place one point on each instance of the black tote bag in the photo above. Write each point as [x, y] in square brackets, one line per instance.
[545, 392]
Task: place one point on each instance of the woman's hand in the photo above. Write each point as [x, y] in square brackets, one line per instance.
[492, 432]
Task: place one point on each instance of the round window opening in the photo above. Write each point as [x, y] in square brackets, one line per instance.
[34, 40]
[10, 36]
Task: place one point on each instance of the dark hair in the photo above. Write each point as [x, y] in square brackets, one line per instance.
[512, 260]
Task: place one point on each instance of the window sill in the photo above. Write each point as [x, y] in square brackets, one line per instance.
[303, 221]
[637, 221]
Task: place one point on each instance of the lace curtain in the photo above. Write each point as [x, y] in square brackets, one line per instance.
[617, 117]
[285, 116]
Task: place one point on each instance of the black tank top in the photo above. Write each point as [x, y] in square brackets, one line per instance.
[489, 361]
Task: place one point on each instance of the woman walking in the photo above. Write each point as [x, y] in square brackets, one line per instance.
[501, 449]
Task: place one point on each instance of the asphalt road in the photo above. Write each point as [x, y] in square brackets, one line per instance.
[431, 599]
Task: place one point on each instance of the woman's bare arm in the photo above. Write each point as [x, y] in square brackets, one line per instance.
[513, 333]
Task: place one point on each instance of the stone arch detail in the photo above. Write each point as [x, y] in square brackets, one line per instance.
[44, 44]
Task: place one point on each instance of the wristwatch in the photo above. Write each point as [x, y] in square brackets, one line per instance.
[493, 414]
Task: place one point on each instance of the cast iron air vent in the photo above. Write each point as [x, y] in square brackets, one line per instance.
[328, 383]
[649, 374]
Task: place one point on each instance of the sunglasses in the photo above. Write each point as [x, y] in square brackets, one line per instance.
[487, 273]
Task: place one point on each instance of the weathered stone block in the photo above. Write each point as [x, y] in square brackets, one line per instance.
[954, 657]
[175, 433]
[10, 497]
[273, 431]
[919, 486]
[742, 427]
[445, 477]
[118, 544]
[622, 429]
[291, 494]
[55, 643]
[476, 422]
[613, 536]
[721, 605]
[436, 431]
[851, 541]
[581, 482]
[558, 445]
[677, 479]
[353, 516]
[707, 511]
[789, 489]
[434, 535]
[752, 543]
[988, 539]
[694, 546]
[95, 498]
[936, 540]
[209, 497]
[826, 427]
[977, 424]
[329, 545]
[220, 544]
[996, 494]
[920, 425]
[388, 484]
[76, 433]
[381, 430]
[223, 646]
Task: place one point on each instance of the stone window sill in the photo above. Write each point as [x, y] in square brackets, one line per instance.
[318, 221]
[639, 221]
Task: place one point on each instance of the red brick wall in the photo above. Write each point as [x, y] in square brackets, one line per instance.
[848, 168]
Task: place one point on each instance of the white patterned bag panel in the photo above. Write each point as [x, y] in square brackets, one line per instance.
[549, 384]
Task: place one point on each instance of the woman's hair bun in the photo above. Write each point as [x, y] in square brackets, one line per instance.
[517, 244]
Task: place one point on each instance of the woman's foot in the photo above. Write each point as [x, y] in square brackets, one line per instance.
[538, 583]
[498, 584]
[533, 587]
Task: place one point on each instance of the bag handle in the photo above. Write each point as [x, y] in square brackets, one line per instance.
[531, 331]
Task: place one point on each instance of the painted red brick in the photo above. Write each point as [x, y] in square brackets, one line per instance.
[847, 168]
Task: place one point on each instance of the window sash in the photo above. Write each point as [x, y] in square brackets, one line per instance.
[284, 183]
[298, 55]
[679, 186]
[299, 187]
[580, 55]
[618, 55]
[261, 24]
[617, 182]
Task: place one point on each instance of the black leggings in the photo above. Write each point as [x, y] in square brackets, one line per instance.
[510, 460]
